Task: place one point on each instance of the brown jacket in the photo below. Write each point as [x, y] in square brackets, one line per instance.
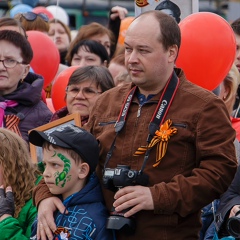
[199, 164]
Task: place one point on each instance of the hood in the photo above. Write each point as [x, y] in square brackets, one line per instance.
[91, 193]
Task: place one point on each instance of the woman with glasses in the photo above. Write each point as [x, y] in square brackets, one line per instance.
[21, 108]
[38, 22]
[83, 89]
[7, 23]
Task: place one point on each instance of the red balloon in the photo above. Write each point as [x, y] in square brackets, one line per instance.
[50, 105]
[42, 10]
[208, 48]
[59, 86]
[46, 57]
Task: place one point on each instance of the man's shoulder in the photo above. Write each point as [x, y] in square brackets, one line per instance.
[191, 90]
[115, 95]
[118, 89]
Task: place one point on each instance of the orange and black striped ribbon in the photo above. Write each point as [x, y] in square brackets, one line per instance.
[12, 122]
[161, 139]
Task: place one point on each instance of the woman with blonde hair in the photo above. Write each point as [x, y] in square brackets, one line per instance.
[17, 179]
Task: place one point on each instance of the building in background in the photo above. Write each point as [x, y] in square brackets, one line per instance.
[85, 11]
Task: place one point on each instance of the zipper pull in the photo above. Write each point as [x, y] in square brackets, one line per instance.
[139, 111]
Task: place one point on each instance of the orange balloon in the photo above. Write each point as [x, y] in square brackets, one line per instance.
[46, 57]
[59, 87]
[208, 49]
[123, 28]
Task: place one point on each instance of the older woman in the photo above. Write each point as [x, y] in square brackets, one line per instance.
[83, 89]
[21, 108]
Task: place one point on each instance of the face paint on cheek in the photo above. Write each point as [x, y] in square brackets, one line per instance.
[54, 154]
[62, 177]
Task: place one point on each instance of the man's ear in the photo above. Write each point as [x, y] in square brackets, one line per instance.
[83, 170]
[173, 53]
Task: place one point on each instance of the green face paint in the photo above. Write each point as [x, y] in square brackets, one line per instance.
[62, 177]
[54, 154]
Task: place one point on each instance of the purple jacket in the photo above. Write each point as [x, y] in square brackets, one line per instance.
[31, 110]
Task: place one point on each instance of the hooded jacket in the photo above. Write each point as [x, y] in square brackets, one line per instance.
[31, 110]
[87, 214]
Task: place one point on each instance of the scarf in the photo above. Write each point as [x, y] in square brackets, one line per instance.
[12, 120]
[3, 106]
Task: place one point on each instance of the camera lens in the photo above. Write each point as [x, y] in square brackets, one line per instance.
[233, 226]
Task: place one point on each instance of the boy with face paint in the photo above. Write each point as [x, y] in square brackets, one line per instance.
[70, 156]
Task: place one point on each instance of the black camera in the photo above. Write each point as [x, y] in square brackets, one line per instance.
[117, 178]
[233, 225]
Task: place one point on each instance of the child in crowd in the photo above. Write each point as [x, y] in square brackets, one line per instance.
[70, 156]
[17, 179]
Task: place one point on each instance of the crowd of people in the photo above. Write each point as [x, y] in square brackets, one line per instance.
[156, 156]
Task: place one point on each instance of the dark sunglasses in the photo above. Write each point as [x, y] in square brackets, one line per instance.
[31, 16]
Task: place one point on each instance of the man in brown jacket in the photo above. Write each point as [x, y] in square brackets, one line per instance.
[166, 144]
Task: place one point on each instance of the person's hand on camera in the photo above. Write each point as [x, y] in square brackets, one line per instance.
[136, 198]
[120, 12]
[7, 207]
[234, 210]
[46, 225]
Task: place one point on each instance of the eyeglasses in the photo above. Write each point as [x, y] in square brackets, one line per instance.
[10, 63]
[31, 16]
[87, 92]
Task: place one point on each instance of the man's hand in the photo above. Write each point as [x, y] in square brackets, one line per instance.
[136, 198]
[46, 225]
[234, 210]
[120, 12]
[7, 207]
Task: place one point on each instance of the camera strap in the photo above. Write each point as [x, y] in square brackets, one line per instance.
[158, 117]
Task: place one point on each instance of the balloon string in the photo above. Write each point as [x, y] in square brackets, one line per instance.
[55, 21]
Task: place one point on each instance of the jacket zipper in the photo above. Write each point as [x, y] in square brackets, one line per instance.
[139, 111]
